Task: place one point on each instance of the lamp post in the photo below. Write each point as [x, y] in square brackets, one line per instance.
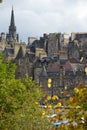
[50, 85]
[49, 82]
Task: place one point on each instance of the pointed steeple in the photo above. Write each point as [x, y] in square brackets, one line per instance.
[12, 18]
[12, 27]
[12, 36]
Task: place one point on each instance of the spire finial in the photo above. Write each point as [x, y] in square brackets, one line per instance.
[12, 7]
[12, 23]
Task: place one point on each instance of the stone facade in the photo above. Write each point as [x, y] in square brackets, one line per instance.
[31, 40]
[53, 44]
[55, 56]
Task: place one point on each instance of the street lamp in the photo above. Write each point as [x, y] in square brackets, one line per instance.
[49, 82]
[50, 85]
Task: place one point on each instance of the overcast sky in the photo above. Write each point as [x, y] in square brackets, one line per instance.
[36, 17]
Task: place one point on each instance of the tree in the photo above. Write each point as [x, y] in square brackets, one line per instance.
[73, 110]
[78, 108]
[0, 1]
[19, 101]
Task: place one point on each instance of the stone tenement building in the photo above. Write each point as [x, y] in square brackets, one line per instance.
[57, 56]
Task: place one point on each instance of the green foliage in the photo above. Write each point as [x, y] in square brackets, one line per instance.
[78, 108]
[73, 110]
[1, 1]
[18, 109]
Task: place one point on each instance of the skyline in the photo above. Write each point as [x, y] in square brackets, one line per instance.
[35, 17]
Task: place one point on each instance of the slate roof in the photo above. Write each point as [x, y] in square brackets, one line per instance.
[10, 51]
[31, 56]
[56, 66]
[20, 53]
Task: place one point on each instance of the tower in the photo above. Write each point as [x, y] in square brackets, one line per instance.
[12, 36]
[12, 27]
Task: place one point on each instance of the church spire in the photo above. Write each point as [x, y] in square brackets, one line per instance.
[12, 18]
[12, 27]
[12, 36]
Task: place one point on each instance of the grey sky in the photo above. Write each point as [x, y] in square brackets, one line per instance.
[36, 17]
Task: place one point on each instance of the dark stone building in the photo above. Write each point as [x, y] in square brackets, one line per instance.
[52, 56]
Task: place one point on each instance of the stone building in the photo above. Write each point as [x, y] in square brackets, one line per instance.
[73, 50]
[65, 75]
[54, 56]
[79, 41]
[9, 43]
[53, 44]
[31, 40]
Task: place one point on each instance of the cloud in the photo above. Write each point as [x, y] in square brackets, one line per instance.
[35, 17]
